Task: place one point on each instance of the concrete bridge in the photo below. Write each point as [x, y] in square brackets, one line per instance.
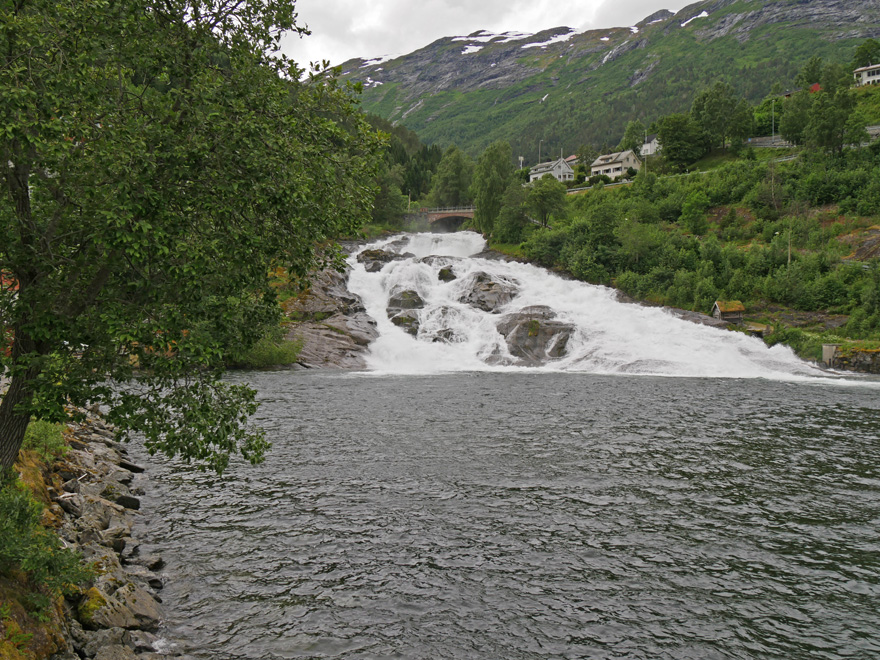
[449, 218]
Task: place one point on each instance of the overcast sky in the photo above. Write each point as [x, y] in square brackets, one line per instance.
[342, 29]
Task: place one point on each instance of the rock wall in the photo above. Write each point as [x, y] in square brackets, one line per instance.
[331, 323]
[94, 502]
[861, 360]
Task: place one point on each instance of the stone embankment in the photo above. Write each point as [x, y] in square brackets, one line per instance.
[94, 495]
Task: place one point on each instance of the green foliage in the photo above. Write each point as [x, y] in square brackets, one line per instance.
[545, 197]
[45, 438]
[693, 212]
[866, 54]
[633, 137]
[512, 219]
[164, 161]
[26, 546]
[721, 115]
[492, 175]
[682, 138]
[451, 183]
[272, 350]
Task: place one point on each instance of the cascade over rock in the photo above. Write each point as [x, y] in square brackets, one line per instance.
[533, 335]
[488, 294]
[440, 304]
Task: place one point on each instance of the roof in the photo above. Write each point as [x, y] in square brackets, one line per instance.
[730, 306]
[870, 67]
[651, 138]
[616, 157]
[549, 166]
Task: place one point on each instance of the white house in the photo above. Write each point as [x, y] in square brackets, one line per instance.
[558, 168]
[615, 164]
[867, 75]
[651, 145]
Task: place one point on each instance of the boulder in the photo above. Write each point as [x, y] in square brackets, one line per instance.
[446, 274]
[406, 321]
[534, 336]
[400, 310]
[407, 299]
[485, 293]
[375, 260]
[116, 652]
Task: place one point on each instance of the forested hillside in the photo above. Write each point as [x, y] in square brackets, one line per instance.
[558, 90]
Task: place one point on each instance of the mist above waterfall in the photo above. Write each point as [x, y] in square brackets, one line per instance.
[439, 309]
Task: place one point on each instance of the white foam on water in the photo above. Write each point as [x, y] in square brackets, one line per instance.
[609, 337]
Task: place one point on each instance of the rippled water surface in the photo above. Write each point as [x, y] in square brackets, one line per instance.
[511, 515]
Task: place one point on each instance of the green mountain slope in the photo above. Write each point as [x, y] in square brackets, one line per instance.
[559, 89]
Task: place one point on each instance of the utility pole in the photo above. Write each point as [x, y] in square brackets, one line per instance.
[773, 121]
[539, 151]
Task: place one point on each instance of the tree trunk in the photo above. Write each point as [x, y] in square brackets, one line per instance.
[13, 422]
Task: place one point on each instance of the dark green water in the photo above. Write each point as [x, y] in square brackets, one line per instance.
[505, 515]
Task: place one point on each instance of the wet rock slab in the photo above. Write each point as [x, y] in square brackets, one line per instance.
[332, 324]
[488, 294]
[534, 336]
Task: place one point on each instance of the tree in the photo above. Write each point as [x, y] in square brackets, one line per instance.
[793, 124]
[512, 219]
[693, 212]
[867, 53]
[545, 197]
[633, 137]
[721, 115]
[162, 158]
[829, 121]
[682, 140]
[492, 175]
[811, 73]
[452, 181]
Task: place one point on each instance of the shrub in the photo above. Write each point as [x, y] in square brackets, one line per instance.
[27, 547]
[45, 438]
[270, 351]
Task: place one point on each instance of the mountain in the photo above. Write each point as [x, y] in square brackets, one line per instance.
[560, 89]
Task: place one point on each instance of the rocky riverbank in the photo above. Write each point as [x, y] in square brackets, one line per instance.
[93, 494]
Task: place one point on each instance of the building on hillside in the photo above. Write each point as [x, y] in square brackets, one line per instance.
[729, 310]
[616, 164]
[651, 145]
[867, 75]
[560, 169]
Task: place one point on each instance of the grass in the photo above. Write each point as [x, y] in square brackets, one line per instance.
[273, 350]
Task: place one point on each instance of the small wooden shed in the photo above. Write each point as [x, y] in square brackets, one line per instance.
[729, 310]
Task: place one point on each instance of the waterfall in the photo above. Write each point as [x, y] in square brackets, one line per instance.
[457, 312]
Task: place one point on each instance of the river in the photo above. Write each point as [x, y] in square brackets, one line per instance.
[614, 503]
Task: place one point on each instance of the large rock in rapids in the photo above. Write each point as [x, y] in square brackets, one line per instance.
[487, 294]
[375, 260]
[534, 336]
[401, 306]
[332, 324]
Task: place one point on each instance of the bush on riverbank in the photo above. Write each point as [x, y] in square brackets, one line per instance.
[272, 350]
[798, 234]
